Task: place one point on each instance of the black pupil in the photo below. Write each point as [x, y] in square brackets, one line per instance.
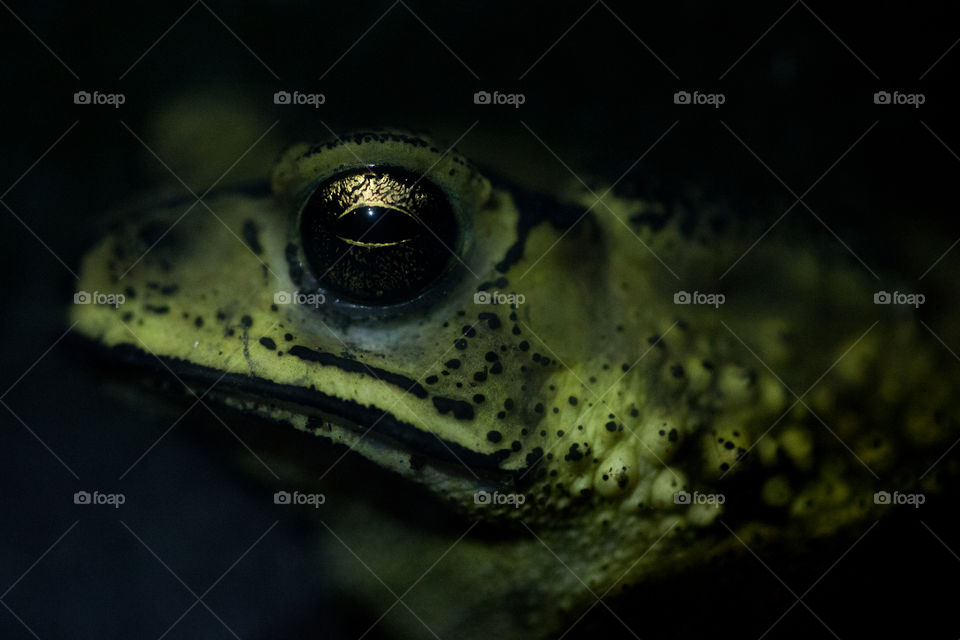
[378, 225]
[377, 236]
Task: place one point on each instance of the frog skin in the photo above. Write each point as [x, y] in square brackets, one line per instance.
[586, 391]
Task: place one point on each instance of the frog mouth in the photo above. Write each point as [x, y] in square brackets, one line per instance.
[384, 427]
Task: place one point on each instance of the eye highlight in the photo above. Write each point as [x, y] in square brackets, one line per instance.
[377, 235]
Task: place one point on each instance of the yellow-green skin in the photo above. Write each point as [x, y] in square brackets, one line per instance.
[609, 400]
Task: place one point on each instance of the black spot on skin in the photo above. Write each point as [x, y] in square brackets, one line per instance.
[128, 316]
[672, 437]
[574, 453]
[493, 321]
[169, 290]
[268, 343]
[508, 404]
[431, 379]
[611, 426]
[515, 330]
[729, 445]
[460, 344]
[534, 208]
[480, 376]
[130, 292]
[250, 236]
[539, 407]
[707, 365]
[501, 415]
[461, 410]
[634, 412]
[198, 321]
[288, 337]
[677, 371]
[246, 321]
[496, 368]
[468, 332]
[159, 310]
[625, 367]
[328, 359]
[452, 364]
[524, 345]
[515, 445]
[534, 457]
[478, 398]
[494, 436]
[490, 356]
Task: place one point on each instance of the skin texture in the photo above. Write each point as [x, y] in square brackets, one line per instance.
[594, 397]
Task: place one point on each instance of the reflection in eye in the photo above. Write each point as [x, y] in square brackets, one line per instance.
[378, 235]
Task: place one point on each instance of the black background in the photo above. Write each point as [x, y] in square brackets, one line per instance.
[800, 98]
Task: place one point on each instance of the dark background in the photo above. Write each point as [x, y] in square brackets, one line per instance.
[599, 99]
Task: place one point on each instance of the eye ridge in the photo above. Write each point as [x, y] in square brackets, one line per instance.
[377, 235]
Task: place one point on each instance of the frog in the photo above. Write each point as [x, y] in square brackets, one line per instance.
[584, 381]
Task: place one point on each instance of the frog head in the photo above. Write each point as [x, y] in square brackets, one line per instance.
[486, 340]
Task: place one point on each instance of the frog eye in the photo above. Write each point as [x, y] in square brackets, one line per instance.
[377, 235]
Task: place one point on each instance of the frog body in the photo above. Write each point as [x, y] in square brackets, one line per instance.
[557, 381]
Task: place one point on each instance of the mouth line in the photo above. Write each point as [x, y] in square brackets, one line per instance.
[384, 425]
